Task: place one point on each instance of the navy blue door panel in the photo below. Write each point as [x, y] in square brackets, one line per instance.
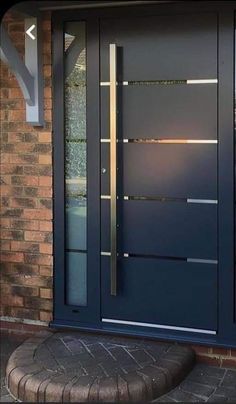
[172, 229]
[162, 47]
[164, 170]
[159, 111]
[163, 292]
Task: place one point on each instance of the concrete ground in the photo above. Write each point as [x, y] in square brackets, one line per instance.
[203, 384]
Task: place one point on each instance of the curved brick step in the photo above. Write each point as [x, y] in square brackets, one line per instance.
[78, 367]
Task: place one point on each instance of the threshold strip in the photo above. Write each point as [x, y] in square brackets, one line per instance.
[160, 82]
[160, 326]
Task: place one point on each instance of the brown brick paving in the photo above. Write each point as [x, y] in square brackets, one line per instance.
[78, 367]
[99, 366]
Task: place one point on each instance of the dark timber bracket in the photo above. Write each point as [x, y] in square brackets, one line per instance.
[29, 72]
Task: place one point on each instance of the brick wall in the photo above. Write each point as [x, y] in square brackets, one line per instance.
[26, 192]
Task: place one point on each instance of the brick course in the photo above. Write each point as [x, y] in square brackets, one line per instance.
[26, 195]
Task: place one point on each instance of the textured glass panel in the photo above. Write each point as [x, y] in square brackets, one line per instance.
[76, 215]
[75, 80]
[75, 166]
[75, 135]
[76, 289]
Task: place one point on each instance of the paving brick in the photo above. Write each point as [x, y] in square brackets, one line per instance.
[229, 379]
[201, 390]
[183, 396]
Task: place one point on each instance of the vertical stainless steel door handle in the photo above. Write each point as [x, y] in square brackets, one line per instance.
[113, 167]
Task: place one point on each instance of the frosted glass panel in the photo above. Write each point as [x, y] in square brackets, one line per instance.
[76, 223]
[76, 279]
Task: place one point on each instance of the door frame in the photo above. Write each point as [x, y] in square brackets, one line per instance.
[226, 234]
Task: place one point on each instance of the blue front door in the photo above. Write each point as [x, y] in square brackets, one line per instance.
[165, 175]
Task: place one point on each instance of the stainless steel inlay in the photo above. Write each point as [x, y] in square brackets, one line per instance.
[202, 261]
[105, 196]
[211, 201]
[172, 141]
[202, 81]
[161, 82]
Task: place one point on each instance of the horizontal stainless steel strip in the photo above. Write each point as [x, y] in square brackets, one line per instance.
[202, 81]
[105, 196]
[164, 141]
[202, 261]
[107, 83]
[160, 326]
[168, 199]
[213, 201]
[172, 141]
[161, 82]
[159, 257]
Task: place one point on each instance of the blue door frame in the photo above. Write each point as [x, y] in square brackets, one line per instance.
[89, 317]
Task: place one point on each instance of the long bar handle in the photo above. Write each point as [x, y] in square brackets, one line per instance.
[113, 166]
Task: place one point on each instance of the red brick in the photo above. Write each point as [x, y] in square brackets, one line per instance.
[24, 158]
[12, 300]
[9, 190]
[5, 222]
[47, 70]
[45, 270]
[45, 248]
[199, 349]
[15, 93]
[45, 192]
[15, 137]
[48, 103]
[208, 360]
[16, 115]
[45, 316]
[11, 169]
[46, 293]
[233, 352]
[45, 181]
[229, 362]
[12, 234]
[45, 226]
[45, 137]
[24, 246]
[48, 115]
[12, 256]
[39, 259]
[34, 236]
[24, 313]
[25, 224]
[39, 214]
[220, 351]
[5, 245]
[23, 202]
[26, 180]
[47, 92]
